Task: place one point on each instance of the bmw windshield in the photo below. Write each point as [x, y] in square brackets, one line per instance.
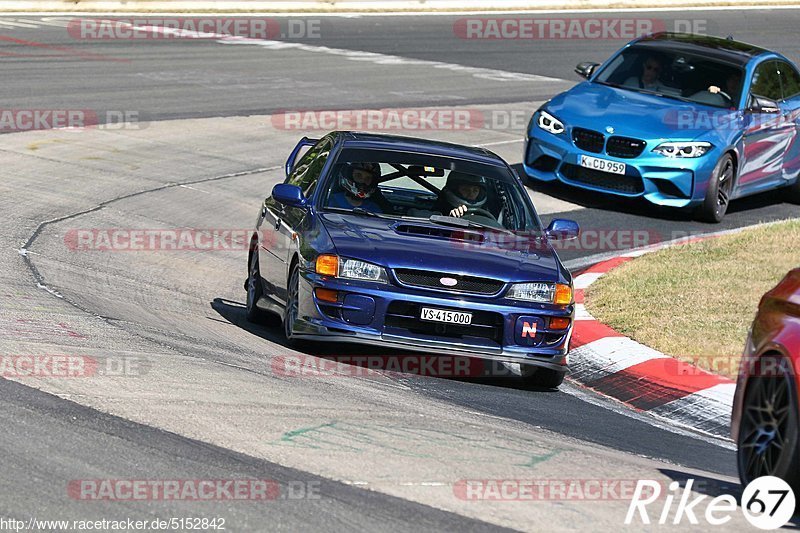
[674, 74]
[403, 185]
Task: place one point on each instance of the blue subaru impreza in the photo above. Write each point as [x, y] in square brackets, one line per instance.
[412, 244]
[680, 120]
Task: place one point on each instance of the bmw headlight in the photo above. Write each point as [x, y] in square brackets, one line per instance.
[355, 269]
[683, 149]
[543, 292]
[549, 123]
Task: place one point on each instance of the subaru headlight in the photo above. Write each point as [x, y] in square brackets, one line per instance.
[549, 123]
[683, 149]
[543, 292]
[355, 269]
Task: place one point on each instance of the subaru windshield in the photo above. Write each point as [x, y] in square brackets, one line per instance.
[388, 184]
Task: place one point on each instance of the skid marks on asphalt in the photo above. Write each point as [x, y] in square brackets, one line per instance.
[33, 328]
[421, 443]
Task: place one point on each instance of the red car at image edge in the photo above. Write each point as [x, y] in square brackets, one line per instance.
[766, 409]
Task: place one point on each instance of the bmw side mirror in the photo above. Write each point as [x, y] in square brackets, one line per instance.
[759, 104]
[290, 195]
[586, 69]
[562, 230]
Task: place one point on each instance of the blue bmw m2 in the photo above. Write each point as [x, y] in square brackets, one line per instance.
[680, 120]
[412, 244]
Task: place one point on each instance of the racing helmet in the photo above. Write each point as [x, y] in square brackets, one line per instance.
[359, 190]
[452, 195]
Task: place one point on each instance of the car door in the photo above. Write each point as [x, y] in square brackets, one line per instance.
[766, 135]
[280, 221]
[790, 109]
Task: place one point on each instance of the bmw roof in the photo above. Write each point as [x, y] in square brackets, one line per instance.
[718, 48]
[414, 144]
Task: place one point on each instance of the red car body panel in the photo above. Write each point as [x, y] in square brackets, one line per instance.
[776, 329]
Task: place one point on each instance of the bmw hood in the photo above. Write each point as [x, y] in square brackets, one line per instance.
[638, 115]
[420, 244]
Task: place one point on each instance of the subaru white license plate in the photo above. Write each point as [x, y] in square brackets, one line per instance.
[448, 317]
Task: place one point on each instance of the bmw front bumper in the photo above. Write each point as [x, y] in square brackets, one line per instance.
[671, 182]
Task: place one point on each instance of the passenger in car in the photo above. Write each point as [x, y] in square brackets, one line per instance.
[359, 187]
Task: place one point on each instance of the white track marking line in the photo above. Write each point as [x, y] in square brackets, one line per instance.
[655, 421]
[498, 143]
[722, 393]
[59, 23]
[195, 189]
[357, 55]
[581, 313]
[610, 355]
[702, 409]
[385, 59]
[17, 24]
[584, 280]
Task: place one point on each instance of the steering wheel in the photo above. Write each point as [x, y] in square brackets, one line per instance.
[724, 95]
[480, 212]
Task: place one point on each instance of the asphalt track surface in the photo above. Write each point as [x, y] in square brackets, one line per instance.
[209, 407]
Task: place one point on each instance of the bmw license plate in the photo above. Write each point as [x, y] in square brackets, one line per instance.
[449, 317]
[603, 165]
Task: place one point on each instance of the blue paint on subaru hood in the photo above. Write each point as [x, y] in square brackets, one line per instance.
[375, 240]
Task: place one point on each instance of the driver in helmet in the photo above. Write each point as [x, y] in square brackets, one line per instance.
[359, 184]
[461, 193]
